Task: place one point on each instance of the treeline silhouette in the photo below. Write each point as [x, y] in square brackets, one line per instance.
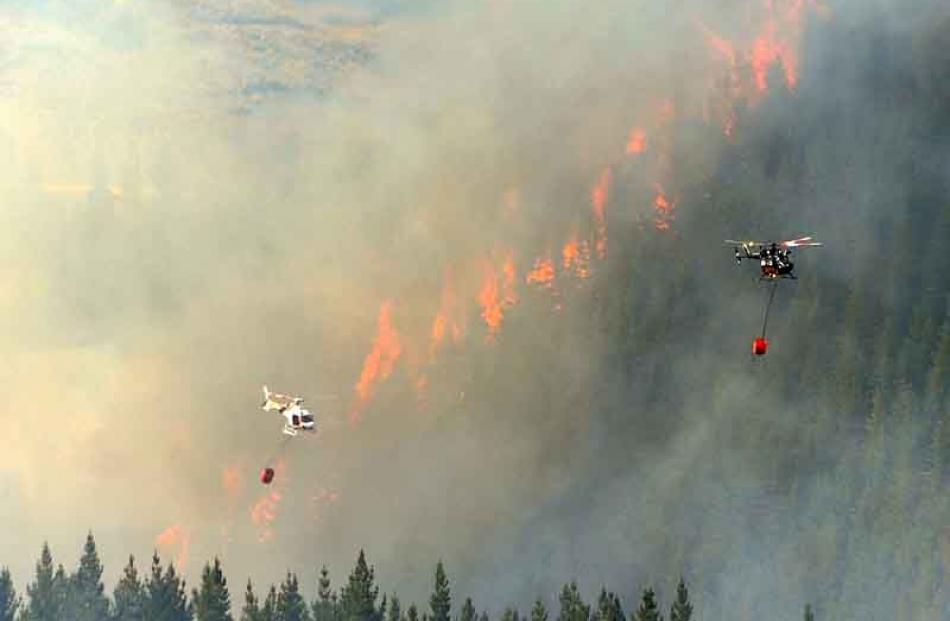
[161, 595]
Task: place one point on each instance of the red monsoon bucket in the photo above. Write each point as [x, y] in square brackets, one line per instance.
[267, 475]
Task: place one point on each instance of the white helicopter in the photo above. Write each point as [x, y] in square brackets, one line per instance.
[298, 418]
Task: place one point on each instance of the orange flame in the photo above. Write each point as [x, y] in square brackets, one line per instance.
[437, 333]
[664, 209]
[575, 257]
[489, 301]
[542, 274]
[177, 540]
[382, 357]
[777, 40]
[720, 45]
[598, 199]
[732, 89]
[569, 253]
[445, 318]
[264, 511]
[767, 49]
[497, 292]
[637, 142]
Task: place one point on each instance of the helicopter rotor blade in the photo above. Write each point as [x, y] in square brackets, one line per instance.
[799, 243]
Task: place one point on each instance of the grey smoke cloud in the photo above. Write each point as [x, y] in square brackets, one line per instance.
[198, 206]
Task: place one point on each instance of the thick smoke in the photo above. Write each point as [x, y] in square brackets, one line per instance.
[196, 207]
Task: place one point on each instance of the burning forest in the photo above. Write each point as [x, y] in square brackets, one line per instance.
[490, 260]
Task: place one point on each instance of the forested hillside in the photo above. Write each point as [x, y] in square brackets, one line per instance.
[622, 435]
[819, 472]
[161, 594]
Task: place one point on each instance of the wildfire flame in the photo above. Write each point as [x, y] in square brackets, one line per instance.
[489, 301]
[542, 274]
[769, 48]
[175, 540]
[777, 40]
[264, 511]
[742, 65]
[437, 334]
[664, 209]
[379, 362]
[575, 257]
[446, 318]
[497, 292]
[637, 142]
[732, 87]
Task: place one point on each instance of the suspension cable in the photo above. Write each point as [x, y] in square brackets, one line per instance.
[768, 306]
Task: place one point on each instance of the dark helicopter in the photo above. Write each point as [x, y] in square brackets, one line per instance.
[774, 257]
[775, 262]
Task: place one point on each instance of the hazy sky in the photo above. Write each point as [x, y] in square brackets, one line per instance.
[201, 197]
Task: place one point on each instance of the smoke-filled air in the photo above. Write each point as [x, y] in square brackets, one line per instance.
[484, 241]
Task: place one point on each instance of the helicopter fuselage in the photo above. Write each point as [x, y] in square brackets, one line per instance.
[297, 419]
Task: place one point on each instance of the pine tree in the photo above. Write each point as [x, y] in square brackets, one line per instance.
[129, 595]
[441, 600]
[539, 612]
[87, 600]
[358, 597]
[510, 614]
[9, 601]
[336, 608]
[608, 607]
[603, 607]
[572, 606]
[648, 611]
[290, 604]
[62, 600]
[323, 607]
[166, 598]
[395, 610]
[412, 614]
[250, 611]
[809, 615]
[681, 610]
[212, 602]
[269, 609]
[324, 592]
[468, 610]
[41, 604]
